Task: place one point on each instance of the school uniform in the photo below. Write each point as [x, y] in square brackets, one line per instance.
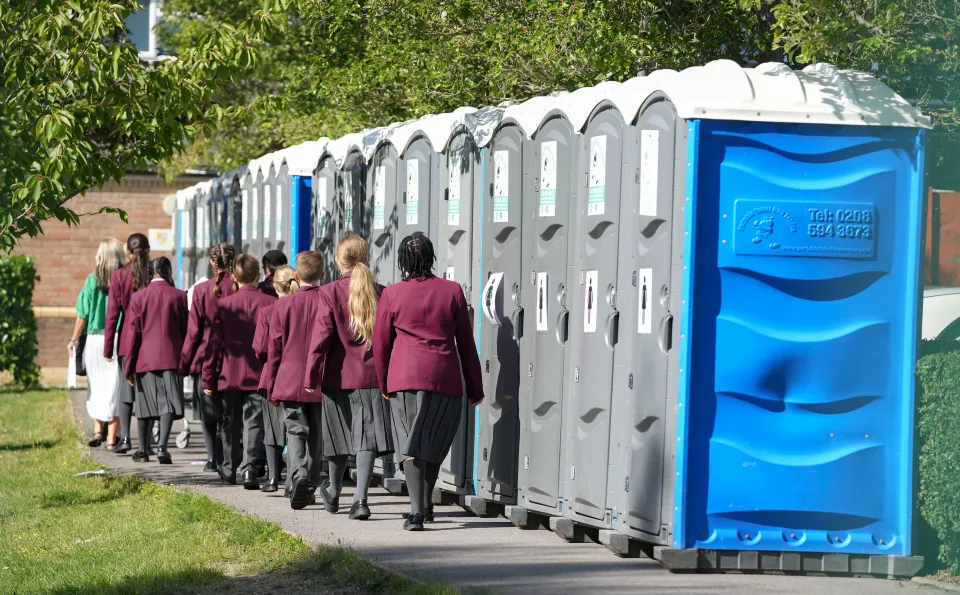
[274, 434]
[233, 371]
[266, 287]
[203, 310]
[290, 331]
[355, 415]
[157, 327]
[422, 337]
[115, 335]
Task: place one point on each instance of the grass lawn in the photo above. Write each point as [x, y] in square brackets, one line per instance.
[103, 535]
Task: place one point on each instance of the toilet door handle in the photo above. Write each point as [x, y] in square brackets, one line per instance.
[666, 333]
[610, 335]
[563, 320]
[516, 319]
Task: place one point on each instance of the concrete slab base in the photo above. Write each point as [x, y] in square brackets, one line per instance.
[801, 563]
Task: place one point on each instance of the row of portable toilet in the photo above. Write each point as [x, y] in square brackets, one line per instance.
[695, 298]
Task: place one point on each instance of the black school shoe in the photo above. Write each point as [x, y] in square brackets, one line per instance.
[330, 504]
[359, 511]
[141, 457]
[427, 516]
[163, 457]
[123, 447]
[414, 522]
[227, 479]
[250, 480]
[302, 494]
[270, 486]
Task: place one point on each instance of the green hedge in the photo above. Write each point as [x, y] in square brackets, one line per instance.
[18, 327]
[938, 372]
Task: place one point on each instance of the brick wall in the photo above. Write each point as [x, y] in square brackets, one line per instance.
[64, 256]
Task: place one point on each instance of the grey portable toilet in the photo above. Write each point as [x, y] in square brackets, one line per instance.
[550, 268]
[383, 187]
[272, 202]
[594, 318]
[501, 328]
[250, 203]
[323, 239]
[458, 254]
[351, 181]
[236, 209]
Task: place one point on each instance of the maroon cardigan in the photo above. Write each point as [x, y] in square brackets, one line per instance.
[261, 338]
[118, 300]
[422, 326]
[266, 286]
[290, 332]
[233, 364]
[335, 360]
[158, 324]
[203, 310]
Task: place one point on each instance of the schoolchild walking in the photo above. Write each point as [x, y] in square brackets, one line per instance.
[290, 331]
[233, 372]
[158, 325]
[271, 261]
[133, 276]
[356, 419]
[422, 337]
[203, 310]
[274, 434]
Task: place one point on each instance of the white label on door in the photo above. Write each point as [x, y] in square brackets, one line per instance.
[542, 298]
[597, 187]
[255, 210]
[379, 196]
[548, 179]
[453, 196]
[591, 295]
[649, 160]
[490, 293]
[322, 206]
[645, 312]
[244, 212]
[279, 212]
[413, 191]
[448, 275]
[267, 213]
[501, 187]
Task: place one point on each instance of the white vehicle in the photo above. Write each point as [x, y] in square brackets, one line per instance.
[941, 314]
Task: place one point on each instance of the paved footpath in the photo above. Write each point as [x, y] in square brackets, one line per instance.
[469, 551]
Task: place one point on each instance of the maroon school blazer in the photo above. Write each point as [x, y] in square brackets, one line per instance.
[422, 325]
[233, 364]
[335, 359]
[260, 340]
[266, 286]
[118, 300]
[290, 332]
[203, 310]
[158, 324]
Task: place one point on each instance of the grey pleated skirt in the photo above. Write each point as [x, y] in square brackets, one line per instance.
[355, 420]
[273, 431]
[127, 392]
[424, 424]
[159, 393]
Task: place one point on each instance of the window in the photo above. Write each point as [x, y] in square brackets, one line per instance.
[141, 24]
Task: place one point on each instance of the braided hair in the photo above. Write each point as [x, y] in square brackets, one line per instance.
[221, 257]
[415, 257]
[138, 246]
[161, 267]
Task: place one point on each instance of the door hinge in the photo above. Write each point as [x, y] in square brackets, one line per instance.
[626, 484]
[585, 178]
[576, 374]
[636, 177]
[630, 381]
[526, 461]
[634, 278]
[491, 189]
[530, 370]
[573, 472]
[581, 277]
[488, 365]
[536, 184]
[446, 194]
[533, 277]
[404, 197]
[484, 454]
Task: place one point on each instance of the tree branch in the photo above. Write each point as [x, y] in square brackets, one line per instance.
[861, 19]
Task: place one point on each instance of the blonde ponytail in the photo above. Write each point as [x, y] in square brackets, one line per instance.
[362, 303]
[284, 281]
[352, 256]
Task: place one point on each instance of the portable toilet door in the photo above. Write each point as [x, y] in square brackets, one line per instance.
[594, 317]
[202, 243]
[352, 196]
[501, 326]
[550, 272]
[270, 214]
[250, 205]
[261, 195]
[419, 204]
[236, 208]
[384, 238]
[648, 289]
[295, 187]
[455, 262]
[324, 213]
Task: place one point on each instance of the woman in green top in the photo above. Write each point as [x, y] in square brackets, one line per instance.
[103, 376]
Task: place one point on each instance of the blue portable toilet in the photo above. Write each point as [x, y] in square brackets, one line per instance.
[765, 320]
[294, 185]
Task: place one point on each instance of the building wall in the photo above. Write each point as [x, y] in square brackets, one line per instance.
[64, 256]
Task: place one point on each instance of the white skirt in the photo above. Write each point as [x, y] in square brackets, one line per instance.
[103, 380]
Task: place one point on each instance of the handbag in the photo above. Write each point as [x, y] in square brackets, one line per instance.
[78, 354]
